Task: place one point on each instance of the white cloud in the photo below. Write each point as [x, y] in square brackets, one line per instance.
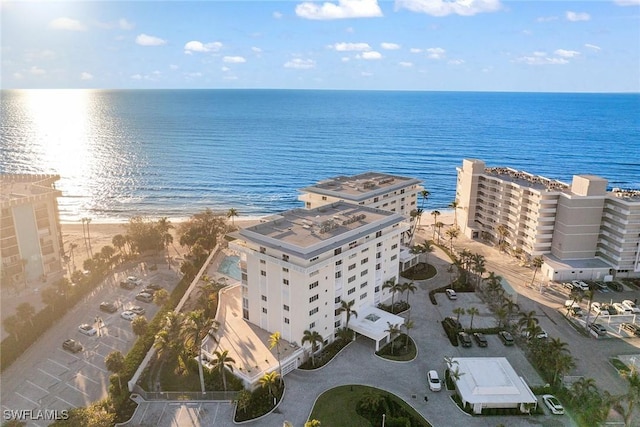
[225, 69]
[136, 77]
[370, 55]
[300, 64]
[405, 64]
[539, 54]
[277, 15]
[146, 40]
[456, 62]
[350, 47]
[592, 46]
[125, 25]
[345, 59]
[390, 46]
[343, 9]
[566, 53]
[435, 53]
[541, 59]
[415, 50]
[195, 74]
[37, 71]
[67, 24]
[234, 59]
[256, 49]
[547, 19]
[449, 7]
[197, 46]
[577, 16]
[86, 76]
[627, 2]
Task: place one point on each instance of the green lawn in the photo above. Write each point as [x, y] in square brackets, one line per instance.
[337, 407]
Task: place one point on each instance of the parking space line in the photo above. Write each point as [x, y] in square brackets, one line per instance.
[59, 364]
[68, 403]
[164, 408]
[47, 373]
[87, 378]
[97, 367]
[26, 398]
[36, 385]
[76, 389]
[146, 408]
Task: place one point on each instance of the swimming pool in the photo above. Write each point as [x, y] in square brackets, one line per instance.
[230, 266]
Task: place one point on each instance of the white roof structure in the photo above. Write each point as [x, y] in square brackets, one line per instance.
[491, 381]
[373, 322]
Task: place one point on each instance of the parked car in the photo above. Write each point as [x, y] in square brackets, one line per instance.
[137, 310]
[598, 329]
[87, 329]
[576, 311]
[631, 328]
[135, 280]
[144, 297]
[616, 286]
[464, 339]
[148, 290]
[451, 294]
[154, 286]
[128, 315]
[579, 284]
[602, 287]
[631, 305]
[481, 340]
[600, 309]
[127, 285]
[621, 309]
[506, 338]
[109, 307]
[541, 335]
[72, 345]
[553, 404]
[434, 381]
[567, 285]
[453, 323]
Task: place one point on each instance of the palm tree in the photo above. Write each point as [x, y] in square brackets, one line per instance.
[393, 330]
[458, 311]
[161, 296]
[502, 314]
[231, 213]
[425, 248]
[439, 226]
[472, 311]
[408, 287]
[527, 320]
[631, 397]
[274, 341]
[25, 312]
[408, 325]
[371, 401]
[312, 337]
[243, 401]
[118, 241]
[503, 233]
[72, 246]
[269, 380]
[435, 215]
[222, 362]
[115, 363]
[537, 263]
[139, 325]
[89, 250]
[196, 326]
[347, 307]
[452, 233]
[563, 363]
[454, 205]
[393, 287]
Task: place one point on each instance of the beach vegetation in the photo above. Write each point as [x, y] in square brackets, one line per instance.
[262, 400]
[329, 351]
[145, 235]
[401, 348]
[203, 228]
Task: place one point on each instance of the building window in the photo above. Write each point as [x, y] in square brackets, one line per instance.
[339, 262]
[378, 267]
[314, 273]
[363, 296]
[364, 273]
[263, 273]
[337, 324]
[352, 266]
[285, 269]
[285, 281]
[337, 312]
[379, 234]
[313, 285]
[351, 279]
[264, 310]
[312, 325]
[376, 289]
[285, 307]
[375, 199]
[379, 255]
[364, 261]
[263, 261]
[393, 258]
[337, 251]
[350, 291]
[286, 320]
[264, 297]
[324, 197]
[285, 257]
[394, 246]
[365, 249]
[263, 250]
[362, 285]
[378, 244]
[314, 298]
[338, 274]
[337, 300]
[314, 311]
[315, 258]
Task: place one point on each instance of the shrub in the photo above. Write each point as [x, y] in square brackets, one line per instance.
[261, 403]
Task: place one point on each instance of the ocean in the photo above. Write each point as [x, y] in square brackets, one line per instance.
[173, 153]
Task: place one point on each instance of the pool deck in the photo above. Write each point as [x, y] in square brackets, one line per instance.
[214, 266]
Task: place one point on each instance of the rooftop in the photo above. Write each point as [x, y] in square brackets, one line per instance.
[18, 189]
[527, 179]
[626, 194]
[306, 230]
[361, 187]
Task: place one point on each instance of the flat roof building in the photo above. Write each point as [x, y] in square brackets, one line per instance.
[299, 265]
[581, 229]
[30, 236]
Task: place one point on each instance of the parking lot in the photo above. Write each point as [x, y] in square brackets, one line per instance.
[48, 377]
[183, 414]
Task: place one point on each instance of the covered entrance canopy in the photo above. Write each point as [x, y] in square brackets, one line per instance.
[373, 322]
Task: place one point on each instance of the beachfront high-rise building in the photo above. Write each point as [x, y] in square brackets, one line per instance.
[378, 190]
[581, 229]
[30, 238]
[299, 265]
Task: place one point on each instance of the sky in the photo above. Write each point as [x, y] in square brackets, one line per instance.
[435, 45]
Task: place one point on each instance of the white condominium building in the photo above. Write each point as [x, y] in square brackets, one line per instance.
[299, 265]
[378, 190]
[581, 230]
[30, 237]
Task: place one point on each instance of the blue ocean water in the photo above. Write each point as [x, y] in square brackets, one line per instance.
[175, 152]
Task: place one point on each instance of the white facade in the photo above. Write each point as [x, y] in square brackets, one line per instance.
[297, 266]
[378, 190]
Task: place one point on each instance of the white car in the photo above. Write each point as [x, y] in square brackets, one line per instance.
[621, 309]
[128, 315]
[137, 310]
[631, 305]
[580, 285]
[133, 279]
[553, 404]
[87, 329]
[597, 308]
[434, 381]
[451, 294]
